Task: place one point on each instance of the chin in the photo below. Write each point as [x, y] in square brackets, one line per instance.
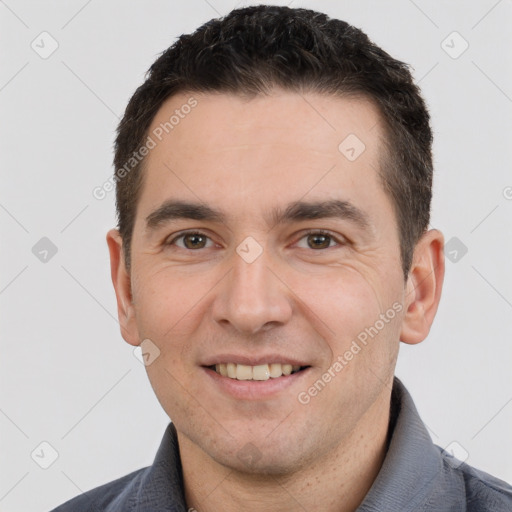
[251, 446]
[260, 455]
[252, 461]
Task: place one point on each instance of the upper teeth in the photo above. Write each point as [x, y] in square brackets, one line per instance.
[259, 372]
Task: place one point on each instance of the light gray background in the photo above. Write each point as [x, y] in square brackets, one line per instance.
[69, 379]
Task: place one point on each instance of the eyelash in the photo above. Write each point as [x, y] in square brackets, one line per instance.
[307, 233]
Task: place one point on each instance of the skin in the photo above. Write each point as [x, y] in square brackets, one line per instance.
[246, 157]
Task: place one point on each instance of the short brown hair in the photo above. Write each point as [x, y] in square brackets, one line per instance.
[254, 49]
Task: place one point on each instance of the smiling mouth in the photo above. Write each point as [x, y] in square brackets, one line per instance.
[259, 372]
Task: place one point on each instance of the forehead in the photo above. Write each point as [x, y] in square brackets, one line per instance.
[226, 150]
[220, 120]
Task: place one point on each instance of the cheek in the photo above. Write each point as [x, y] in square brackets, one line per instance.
[344, 300]
[168, 309]
[362, 321]
[358, 316]
[167, 302]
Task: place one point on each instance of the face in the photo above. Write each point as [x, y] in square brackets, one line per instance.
[285, 253]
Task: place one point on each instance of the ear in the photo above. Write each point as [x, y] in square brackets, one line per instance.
[122, 285]
[423, 288]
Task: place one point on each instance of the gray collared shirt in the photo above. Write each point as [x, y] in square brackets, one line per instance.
[416, 476]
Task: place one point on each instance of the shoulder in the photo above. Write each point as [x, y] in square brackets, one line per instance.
[107, 497]
[483, 492]
[156, 487]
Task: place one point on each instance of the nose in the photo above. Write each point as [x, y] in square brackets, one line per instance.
[252, 297]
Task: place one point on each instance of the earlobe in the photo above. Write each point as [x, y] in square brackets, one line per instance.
[122, 286]
[424, 286]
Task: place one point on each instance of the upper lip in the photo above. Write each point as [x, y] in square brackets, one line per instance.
[252, 360]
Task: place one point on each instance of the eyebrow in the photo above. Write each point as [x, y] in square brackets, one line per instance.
[294, 212]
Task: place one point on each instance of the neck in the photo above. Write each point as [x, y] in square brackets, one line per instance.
[337, 481]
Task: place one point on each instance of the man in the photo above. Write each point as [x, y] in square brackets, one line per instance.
[274, 178]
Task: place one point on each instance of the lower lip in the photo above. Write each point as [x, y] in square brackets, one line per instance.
[255, 389]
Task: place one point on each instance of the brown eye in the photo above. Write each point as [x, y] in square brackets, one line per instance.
[319, 241]
[191, 241]
[194, 241]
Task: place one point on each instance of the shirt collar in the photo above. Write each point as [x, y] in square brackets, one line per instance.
[412, 463]
[161, 488]
[404, 482]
